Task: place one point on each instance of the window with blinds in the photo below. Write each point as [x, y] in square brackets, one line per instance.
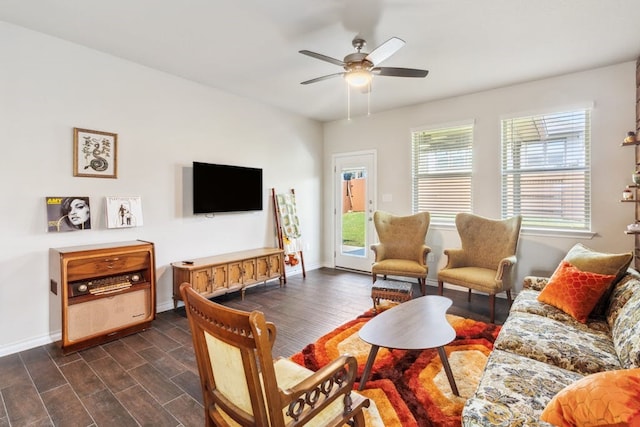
[442, 162]
[546, 170]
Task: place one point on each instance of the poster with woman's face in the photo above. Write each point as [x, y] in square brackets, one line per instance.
[68, 213]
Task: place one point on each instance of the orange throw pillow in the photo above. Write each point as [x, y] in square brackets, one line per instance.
[610, 398]
[575, 292]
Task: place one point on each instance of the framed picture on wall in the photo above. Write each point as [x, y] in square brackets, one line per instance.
[124, 212]
[95, 153]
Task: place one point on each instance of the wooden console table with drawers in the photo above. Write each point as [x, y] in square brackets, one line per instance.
[236, 271]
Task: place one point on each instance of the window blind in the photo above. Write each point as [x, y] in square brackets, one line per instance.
[441, 171]
[546, 169]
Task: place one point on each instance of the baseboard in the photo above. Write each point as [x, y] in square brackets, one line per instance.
[166, 306]
[30, 343]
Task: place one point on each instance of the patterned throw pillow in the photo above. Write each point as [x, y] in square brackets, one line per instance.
[575, 292]
[586, 259]
[610, 398]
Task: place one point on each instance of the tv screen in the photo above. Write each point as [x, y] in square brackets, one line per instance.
[225, 188]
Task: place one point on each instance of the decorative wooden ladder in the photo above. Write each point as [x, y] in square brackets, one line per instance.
[289, 257]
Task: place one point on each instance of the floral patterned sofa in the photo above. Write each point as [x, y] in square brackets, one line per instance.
[541, 350]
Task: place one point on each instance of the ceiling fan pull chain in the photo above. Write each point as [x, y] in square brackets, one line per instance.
[348, 101]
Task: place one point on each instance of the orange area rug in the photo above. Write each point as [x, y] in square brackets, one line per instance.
[410, 388]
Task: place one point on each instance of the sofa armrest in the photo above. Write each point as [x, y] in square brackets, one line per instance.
[535, 283]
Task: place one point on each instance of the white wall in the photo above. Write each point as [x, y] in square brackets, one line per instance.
[48, 87]
[610, 89]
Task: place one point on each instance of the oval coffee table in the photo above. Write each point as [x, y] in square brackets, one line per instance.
[418, 324]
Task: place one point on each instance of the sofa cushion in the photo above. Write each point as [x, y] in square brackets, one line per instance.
[603, 399]
[569, 345]
[527, 302]
[574, 291]
[514, 390]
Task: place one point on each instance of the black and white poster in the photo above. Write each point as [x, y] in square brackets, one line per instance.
[123, 212]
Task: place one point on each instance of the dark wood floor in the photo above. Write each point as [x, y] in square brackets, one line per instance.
[151, 378]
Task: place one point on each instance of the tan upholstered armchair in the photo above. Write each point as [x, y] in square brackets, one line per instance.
[243, 385]
[402, 250]
[486, 262]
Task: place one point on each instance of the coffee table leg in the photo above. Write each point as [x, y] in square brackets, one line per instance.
[447, 370]
[368, 366]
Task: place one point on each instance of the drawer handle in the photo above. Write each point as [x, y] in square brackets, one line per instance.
[112, 259]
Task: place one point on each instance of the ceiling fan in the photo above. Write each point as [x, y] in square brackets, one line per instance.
[360, 67]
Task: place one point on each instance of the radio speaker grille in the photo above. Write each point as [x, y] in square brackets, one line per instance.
[99, 316]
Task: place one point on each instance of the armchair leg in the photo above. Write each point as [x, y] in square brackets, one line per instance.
[492, 308]
[423, 286]
[374, 277]
[440, 287]
[469, 296]
[509, 297]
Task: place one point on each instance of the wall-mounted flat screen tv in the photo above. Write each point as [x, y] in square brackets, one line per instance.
[226, 188]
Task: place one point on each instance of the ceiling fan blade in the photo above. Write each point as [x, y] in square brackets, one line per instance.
[318, 79]
[385, 50]
[322, 57]
[399, 72]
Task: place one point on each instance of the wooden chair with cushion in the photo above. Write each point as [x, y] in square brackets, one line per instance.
[401, 250]
[486, 262]
[243, 385]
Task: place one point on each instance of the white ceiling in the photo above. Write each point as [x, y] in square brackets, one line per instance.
[250, 47]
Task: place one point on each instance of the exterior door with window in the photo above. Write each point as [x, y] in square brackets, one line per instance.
[354, 179]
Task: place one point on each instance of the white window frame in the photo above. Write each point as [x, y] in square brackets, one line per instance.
[442, 181]
[546, 170]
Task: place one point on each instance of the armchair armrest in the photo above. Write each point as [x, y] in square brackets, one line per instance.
[504, 273]
[535, 283]
[316, 392]
[424, 251]
[378, 250]
[505, 265]
[455, 258]
[420, 255]
[271, 328]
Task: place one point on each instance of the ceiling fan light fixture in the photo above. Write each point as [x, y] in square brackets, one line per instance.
[358, 78]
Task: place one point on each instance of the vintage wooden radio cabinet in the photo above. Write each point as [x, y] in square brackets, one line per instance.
[102, 292]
